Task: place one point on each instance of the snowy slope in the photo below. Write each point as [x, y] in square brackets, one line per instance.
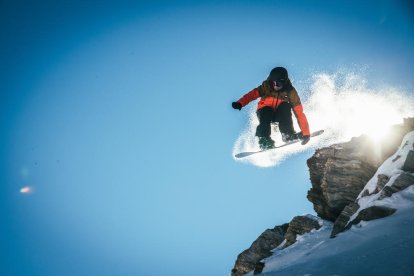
[392, 167]
[378, 247]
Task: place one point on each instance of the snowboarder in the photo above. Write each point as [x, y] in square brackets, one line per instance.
[278, 98]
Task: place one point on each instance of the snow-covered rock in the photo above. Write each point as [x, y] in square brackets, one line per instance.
[390, 178]
[353, 184]
[283, 235]
[299, 226]
[377, 247]
[338, 173]
[260, 248]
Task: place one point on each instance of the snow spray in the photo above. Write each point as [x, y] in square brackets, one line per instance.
[343, 105]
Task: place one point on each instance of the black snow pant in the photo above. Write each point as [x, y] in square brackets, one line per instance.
[282, 115]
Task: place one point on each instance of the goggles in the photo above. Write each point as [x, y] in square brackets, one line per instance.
[279, 83]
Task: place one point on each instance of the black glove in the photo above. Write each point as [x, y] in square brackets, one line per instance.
[305, 139]
[236, 105]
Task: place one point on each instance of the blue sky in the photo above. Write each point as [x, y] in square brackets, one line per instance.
[118, 115]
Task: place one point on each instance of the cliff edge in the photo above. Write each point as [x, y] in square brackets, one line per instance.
[350, 184]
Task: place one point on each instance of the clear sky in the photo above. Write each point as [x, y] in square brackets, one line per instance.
[117, 114]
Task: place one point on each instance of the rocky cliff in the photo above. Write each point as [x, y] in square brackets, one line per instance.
[283, 235]
[338, 173]
[344, 177]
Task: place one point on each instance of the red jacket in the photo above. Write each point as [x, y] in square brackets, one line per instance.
[273, 98]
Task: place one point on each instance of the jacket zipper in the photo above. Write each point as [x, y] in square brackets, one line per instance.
[275, 107]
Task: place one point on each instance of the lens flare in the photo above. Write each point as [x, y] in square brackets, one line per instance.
[26, 190]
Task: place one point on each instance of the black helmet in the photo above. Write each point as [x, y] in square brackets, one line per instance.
[278, 74]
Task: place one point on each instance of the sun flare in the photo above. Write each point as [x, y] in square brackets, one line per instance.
[348, 108]
[371, 119]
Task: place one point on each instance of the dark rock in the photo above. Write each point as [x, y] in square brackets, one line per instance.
[382, 181]
[260, 249]
[341, 222]
[299, 226]
[409, 162]
[403, 181]
[365, 193]
[370, 213]
[373, 212]
[396, 158]
[259, 268]
[338, 174]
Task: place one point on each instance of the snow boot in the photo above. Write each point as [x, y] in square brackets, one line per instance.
[266, 143]
[289, 137]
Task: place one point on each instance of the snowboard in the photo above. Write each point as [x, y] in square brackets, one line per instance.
[249, 153]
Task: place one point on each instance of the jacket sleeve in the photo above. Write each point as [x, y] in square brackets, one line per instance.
[298, 110]
[302, 120]
[248, 97]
